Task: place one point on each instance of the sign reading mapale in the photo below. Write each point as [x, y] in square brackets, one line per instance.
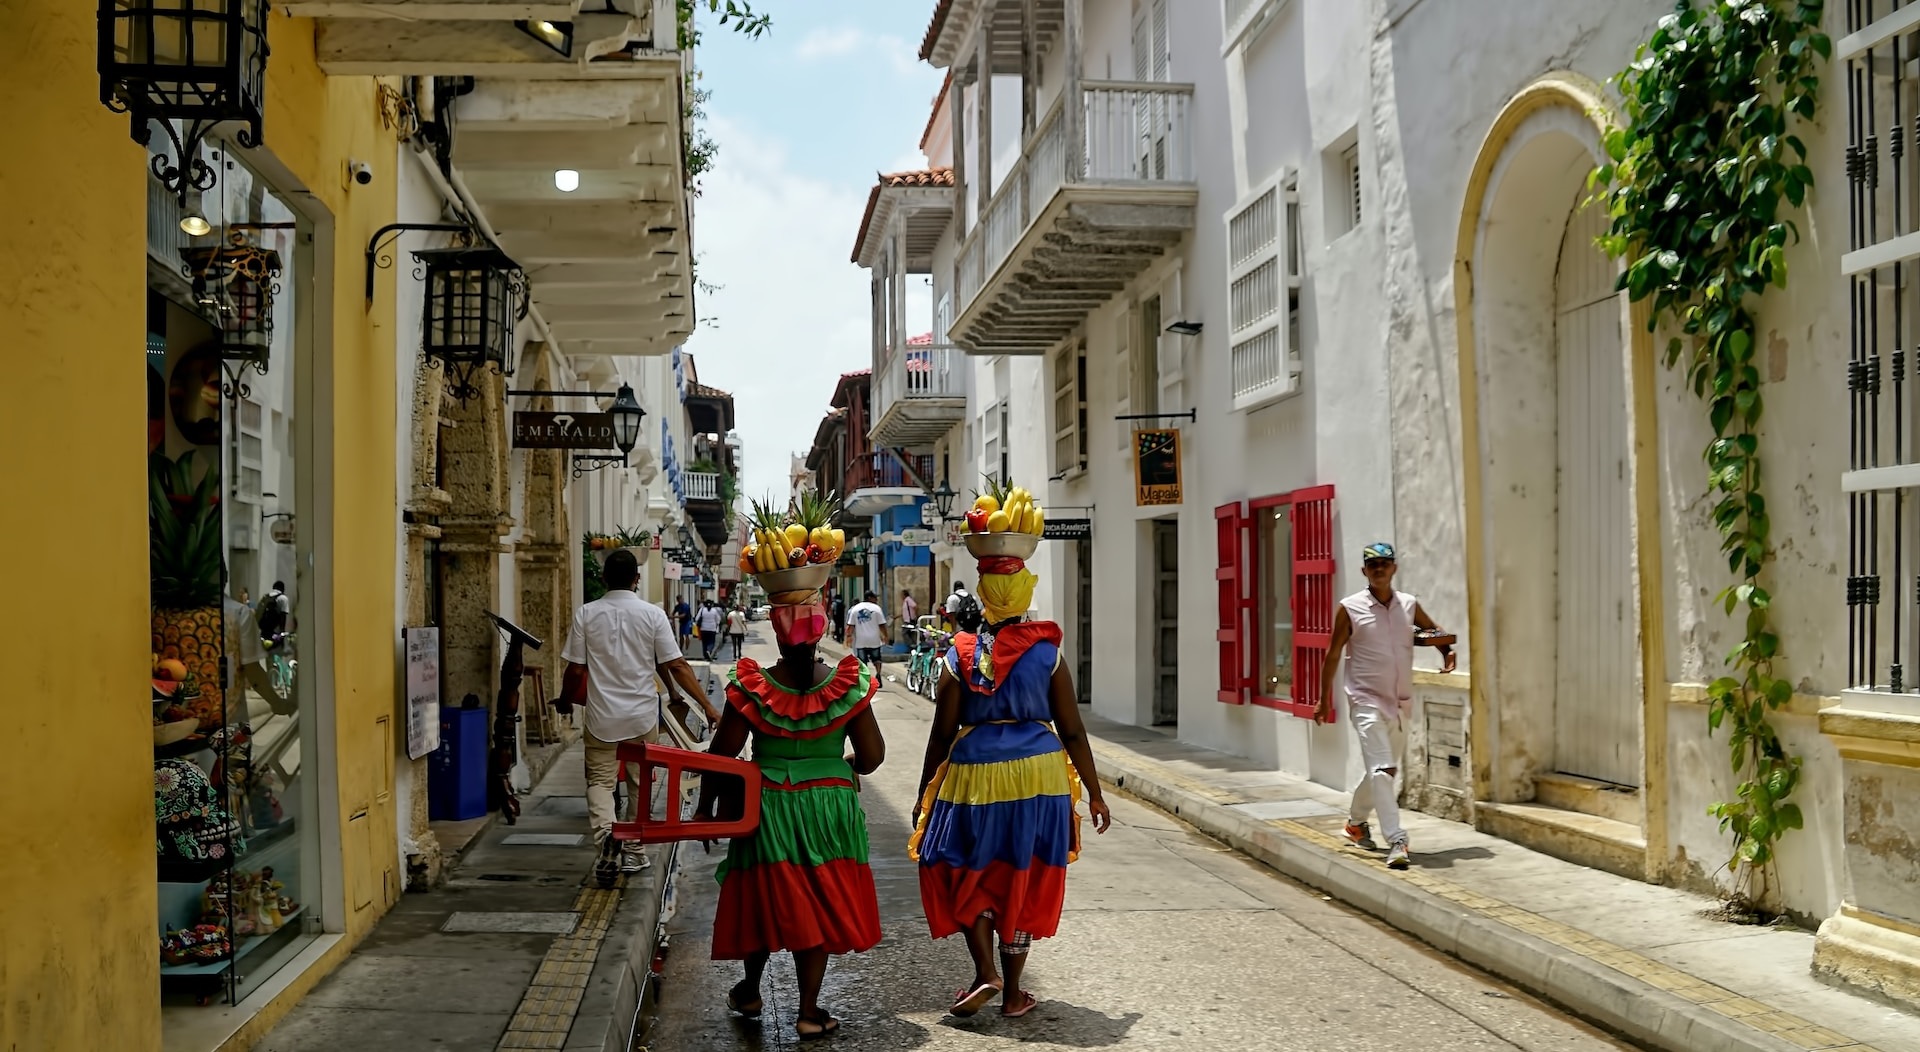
[535, 430]
[1156, 467]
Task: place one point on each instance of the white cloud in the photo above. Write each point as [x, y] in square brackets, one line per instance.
[843, 41]
[791, 313]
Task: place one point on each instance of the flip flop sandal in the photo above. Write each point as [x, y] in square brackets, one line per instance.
[1030, 1004]
[827, 1028]
[738, 1007]
[971, 1002]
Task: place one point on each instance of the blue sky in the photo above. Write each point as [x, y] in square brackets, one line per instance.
[805, 117]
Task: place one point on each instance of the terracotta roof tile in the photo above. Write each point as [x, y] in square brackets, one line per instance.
[932, 177]
[940, 13]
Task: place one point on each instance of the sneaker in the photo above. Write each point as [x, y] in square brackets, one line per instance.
[634, 861]
[1398, 857]
[1358, 833]
[606, 865]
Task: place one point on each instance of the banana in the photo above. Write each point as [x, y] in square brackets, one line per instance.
[1038, 523]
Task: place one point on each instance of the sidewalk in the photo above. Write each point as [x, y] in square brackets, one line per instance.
[519, 950]
[1636, 958]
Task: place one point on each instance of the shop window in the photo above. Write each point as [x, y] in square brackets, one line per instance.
[1274, 572]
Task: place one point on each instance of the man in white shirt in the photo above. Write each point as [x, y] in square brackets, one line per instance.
[1375, 627]
[710, 619]
[869, 624]
[617, 649]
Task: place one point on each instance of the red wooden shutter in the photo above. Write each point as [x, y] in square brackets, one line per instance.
[1230, 573]
[1312, 594]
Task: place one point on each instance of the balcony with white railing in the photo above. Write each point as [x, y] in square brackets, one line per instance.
[1094, 199]
[918, 394]
[701, 485]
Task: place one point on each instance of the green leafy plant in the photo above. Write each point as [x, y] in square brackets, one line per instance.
[183, 538]
[593, 586]
[697, 148]
[1695, 184]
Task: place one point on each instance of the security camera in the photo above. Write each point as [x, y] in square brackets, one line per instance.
[362, 173]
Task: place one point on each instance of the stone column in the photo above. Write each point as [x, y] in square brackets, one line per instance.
[426, 502]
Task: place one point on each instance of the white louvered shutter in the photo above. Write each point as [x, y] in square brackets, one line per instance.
[1260, 361]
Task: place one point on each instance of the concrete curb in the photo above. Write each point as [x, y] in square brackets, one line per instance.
[1594, 991]
[609, 1012]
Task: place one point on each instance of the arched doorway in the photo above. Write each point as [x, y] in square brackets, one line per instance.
[1562, 514]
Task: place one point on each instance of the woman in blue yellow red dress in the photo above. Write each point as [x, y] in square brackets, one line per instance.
[801, 882]
[996, 826]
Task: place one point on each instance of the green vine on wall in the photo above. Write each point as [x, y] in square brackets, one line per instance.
[697, 148]
[1695, 184]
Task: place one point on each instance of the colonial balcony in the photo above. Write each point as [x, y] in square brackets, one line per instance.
[701, 485]
[707, 505]
[885, 480]
[919, 394]
[608, 260]
[1094, 199]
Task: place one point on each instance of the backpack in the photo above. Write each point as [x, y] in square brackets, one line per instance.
[967, 614]
[272, 619]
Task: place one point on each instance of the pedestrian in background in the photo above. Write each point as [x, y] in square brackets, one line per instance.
[839, 618]
[683, 616]
[869, 625]
[616, 653]
[909, 610]
[1375, 627]
[737, 630]
[710, 620]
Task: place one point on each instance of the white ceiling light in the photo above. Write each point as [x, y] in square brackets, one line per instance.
[566, 180]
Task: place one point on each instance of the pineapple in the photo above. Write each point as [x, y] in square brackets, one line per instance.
[770, 534]
[816, 517]
[184, 560]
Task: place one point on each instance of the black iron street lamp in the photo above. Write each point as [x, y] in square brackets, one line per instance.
[943, 500]
[235, 284]
[199, 62]
[626, 415]
[475, 298]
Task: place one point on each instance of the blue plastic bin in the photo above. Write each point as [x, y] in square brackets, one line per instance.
[457, 776]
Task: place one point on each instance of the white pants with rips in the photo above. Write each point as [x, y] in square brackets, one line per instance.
[1382, 741]
[603, 770]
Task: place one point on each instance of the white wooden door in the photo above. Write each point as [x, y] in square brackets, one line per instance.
[1596, 711]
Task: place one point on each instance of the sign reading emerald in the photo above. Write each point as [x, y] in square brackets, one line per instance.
[537, 430]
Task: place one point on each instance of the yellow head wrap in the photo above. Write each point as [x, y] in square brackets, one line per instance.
[1004, 596]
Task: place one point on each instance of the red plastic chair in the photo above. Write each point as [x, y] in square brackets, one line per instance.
[653, 759]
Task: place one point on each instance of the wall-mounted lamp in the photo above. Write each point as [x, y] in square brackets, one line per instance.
[1185, 328]
[566, 180]
[626, 416]
[475, 297]
[193, 216]
[556, 35]
[943, 500]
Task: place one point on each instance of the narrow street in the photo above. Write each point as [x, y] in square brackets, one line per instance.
[1171, 941]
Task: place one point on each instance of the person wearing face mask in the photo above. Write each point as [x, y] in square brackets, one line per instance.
[801, 882]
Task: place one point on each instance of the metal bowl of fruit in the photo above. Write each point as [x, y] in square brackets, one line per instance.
[1013, 545]
[796, 579]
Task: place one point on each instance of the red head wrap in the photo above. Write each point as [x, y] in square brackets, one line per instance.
[800, 625]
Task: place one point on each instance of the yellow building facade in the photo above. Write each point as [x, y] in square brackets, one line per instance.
[80, 966]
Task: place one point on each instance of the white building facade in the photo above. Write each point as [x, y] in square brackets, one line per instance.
[1350, 266]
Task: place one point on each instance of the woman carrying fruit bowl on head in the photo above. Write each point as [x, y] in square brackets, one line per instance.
[801, 882]
[1007, 763]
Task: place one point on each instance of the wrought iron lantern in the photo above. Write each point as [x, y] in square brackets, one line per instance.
[475, 298]
[200, 63]
[943, 500]
[626, 414]
[235, 284]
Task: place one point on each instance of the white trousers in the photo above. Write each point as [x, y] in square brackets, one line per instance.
[603, 770]
[1382, 741]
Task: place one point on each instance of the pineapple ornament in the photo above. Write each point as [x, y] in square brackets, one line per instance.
[184, 562]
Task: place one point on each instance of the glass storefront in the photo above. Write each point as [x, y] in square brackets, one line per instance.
[235, 796]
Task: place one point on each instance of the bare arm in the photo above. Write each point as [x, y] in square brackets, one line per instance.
[1342, 631]
[682, 674]
[1422, 621]
[1073, 734]
[869, 748]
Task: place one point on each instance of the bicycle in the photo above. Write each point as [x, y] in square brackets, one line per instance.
[923, 662]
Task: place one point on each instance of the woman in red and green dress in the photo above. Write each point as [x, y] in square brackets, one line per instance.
[800, 883]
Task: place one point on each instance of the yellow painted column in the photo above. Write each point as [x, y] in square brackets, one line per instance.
[80, 959]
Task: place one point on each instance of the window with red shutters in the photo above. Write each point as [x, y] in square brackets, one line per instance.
[1313, 597]
[1231, 578]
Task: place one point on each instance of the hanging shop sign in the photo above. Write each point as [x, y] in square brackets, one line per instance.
[929, 515]
[423, 690]
[540, 430]
[282, 531]
[1156, 467]
[674, 571]
[955, 533]
[1067, 530]
[916, 538]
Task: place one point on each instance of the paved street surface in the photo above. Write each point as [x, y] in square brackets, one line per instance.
[1170, 942]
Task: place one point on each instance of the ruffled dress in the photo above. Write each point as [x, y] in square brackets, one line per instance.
[801, 881]
[998, 824]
